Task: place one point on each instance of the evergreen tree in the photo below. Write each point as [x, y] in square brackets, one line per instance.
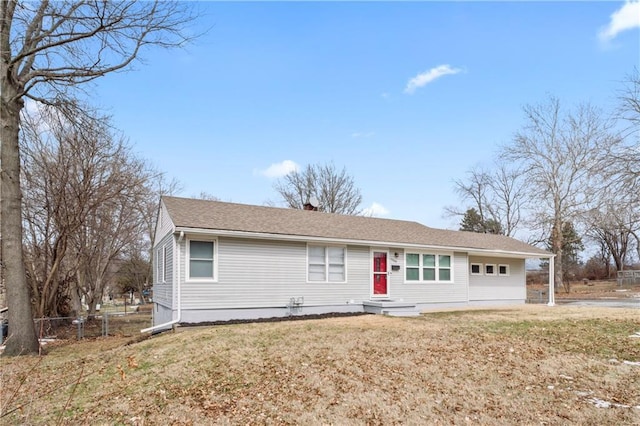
[472, 221]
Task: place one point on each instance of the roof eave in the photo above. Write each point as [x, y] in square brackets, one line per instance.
[311, 238]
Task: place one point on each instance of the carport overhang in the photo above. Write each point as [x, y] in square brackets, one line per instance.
[525, 256]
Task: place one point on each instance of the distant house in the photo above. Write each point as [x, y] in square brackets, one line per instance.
[222, 261]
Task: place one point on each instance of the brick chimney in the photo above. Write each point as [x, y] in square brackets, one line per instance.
[310, 207]
[311, 204]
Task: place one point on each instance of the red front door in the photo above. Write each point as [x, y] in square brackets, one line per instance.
[379, 273]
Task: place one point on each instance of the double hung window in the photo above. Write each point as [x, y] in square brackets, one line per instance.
[326, 263]
[201, 259]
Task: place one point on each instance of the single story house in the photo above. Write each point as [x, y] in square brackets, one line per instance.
[216, 261]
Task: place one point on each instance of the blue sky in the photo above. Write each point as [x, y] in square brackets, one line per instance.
[406, 96]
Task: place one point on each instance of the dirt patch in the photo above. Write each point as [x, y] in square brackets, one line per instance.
[275, 319]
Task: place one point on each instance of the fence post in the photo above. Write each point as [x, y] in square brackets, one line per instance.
[80, 322]
[105, 324]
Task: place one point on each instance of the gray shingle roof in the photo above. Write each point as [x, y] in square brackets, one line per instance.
[216, 215]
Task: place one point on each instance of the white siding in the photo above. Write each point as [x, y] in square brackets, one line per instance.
[164, 225]
[164, 292]
[421, 292]
[495, 287]
[260, 274]
[162, 315]
[264, 274]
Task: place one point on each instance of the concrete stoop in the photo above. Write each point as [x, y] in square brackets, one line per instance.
[391, 308]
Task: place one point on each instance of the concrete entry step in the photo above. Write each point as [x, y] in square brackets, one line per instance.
[390, 307]
[398, 313]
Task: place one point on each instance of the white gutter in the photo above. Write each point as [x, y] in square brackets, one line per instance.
[176, 280]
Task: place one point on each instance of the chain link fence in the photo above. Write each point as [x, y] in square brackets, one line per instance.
[537, 296]
[101, 325]
[628, 278]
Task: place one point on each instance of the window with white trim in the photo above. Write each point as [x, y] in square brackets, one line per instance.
[201, 259]
[489, 269]
[427, 267]
[165, 263]
[159, 267]
[326, 263]
[476, 269]
[503, 270]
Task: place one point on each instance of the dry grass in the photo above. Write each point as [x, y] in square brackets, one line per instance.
[530, 365]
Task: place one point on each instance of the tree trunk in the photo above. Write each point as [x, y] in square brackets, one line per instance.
[22, 339]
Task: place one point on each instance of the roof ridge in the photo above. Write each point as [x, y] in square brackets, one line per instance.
[290, 209]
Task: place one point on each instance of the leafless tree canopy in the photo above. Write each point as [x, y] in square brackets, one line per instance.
[563, 155]
[335, 190]
[48, 49]
[83, 192]
[496, 195]
[630, 99]
[56, 45]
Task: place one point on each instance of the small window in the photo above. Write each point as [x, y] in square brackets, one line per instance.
[503, 270]
[489, 269]
[201, 259]
[476, 269]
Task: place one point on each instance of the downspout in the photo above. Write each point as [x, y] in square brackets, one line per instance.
[177, 282]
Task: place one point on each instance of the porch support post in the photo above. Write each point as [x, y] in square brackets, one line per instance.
[552, 290]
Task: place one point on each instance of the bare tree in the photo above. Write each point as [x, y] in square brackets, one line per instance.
[335, 190]
[134, 275]
[614, 222]
[561, 155]
[49, 219]
[509, 197]
[629, 98]
[115, 227]
[48, 49]
[473, 189]
[82, 188]
[496, 196]
[204, 195]
[626, 174]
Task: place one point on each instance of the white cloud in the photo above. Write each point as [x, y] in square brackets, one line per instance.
[625, 18]
[427, 77]
[31, 107]
[376, 209]
[362, 134]
[277, 170]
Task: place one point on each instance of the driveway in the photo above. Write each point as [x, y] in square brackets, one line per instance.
[605, 303]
